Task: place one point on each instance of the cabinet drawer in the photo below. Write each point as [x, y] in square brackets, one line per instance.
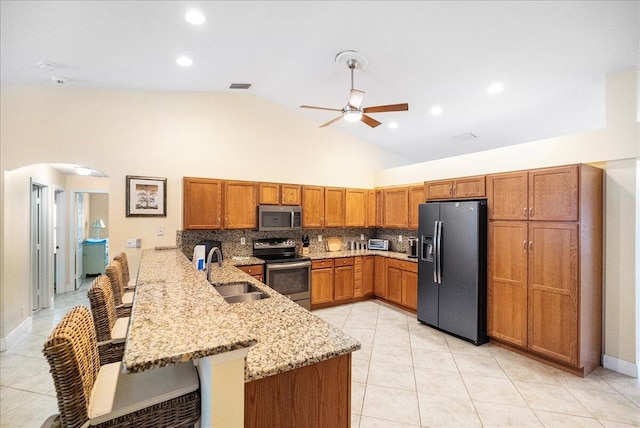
[403, 265]
[347, 261]
[321, 264]
[252, 269]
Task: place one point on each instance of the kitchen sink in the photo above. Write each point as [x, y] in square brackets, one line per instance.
[237, 292]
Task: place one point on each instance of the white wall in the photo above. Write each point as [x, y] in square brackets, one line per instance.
[163, 134]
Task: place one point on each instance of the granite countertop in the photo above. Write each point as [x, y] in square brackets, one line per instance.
[354, 253]
[173, 300]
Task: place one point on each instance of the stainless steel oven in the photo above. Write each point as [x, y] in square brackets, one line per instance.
[285, 271]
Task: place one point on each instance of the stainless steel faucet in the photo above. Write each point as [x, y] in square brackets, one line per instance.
[209, 256]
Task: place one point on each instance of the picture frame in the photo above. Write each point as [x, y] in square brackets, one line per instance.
[146, 196]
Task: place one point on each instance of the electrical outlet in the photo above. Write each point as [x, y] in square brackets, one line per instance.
[399, 238]
[362, 236]
[319, 238]
[243, 241]
[160, 231]
[131, 243]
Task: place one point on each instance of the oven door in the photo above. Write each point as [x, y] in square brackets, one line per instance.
[291, 279]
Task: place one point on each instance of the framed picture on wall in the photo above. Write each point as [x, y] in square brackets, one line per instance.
[146, 196]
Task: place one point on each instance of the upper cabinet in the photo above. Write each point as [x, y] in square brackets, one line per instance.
[240, 201]
[356, 202]
[416, 197]
[334, 206]
[548, 194]
[202, 203]
[312, 206]
[466, 187]
[396, 207]
[279, 194]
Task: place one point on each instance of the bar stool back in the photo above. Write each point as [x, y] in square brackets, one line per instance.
[111, 331]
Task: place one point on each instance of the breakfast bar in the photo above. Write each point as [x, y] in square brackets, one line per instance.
[178, 316]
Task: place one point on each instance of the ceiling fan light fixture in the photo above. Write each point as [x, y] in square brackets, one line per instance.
[352, 115]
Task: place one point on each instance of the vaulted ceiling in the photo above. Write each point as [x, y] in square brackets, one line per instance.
[551, 58]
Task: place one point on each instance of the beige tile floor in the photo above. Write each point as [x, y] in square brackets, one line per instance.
[405, 375]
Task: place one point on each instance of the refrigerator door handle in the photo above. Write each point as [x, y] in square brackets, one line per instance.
[435, 251]
[438, 240]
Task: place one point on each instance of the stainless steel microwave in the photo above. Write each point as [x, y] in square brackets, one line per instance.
[279, 217]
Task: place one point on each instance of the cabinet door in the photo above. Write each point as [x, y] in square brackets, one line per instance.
[469, 187]
[290, 194]
[410, 289]
[371, 208]
[334, 207]
[202, 203]
[553, 194]
[356, 208]
[379, 208]
[396, 206]
[380, 276]
[553, 290]
[368, 277]
[343, 282]
[269, 194]
[312, 206]
[507, 196]
[442, 189]
[240, 207]
[394, 285]
[321, 286]
[507, 286]
[416, 197]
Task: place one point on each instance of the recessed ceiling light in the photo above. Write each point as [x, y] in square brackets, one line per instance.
[393, 125]
[495, 88]
[184, 61]
[436, 110]
[194, 17]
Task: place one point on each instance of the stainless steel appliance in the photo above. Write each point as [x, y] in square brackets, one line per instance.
[279, 217]
[286, 271]
[379, 244]
[452, 268]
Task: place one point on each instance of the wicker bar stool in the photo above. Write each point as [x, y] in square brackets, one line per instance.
[129, 284]
[111, 331]
[123, 300]
[93, 395]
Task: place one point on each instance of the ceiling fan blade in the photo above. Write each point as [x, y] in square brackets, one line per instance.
[322, 108]
[355, 98]
[331, 121]
[370, 121]
[390, 107]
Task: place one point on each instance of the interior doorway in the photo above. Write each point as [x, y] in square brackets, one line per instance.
[90, 234]
[39, 229]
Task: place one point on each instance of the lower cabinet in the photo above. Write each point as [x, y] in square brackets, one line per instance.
[321, 281]
[256, 271]
[343, 279]
[402, 283]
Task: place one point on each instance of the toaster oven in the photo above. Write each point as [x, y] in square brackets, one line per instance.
[379, 244]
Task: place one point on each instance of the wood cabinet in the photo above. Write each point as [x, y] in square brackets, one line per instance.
[202, 203]
[368, 275]
[545, 264]
[356, 207]
[312, 206]
[279, 194]
[371, 208]
[416, 197]
[240, 202]
[343, 278]
[256, 271]
[465, 187]
[547, 194]
[402, 283]
[380, 276]
[321, 281]
[396, 207]
[334, 206]
[379, 217]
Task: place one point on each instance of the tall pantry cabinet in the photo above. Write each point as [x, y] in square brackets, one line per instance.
[545, 264]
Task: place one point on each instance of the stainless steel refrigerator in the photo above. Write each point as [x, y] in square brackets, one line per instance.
[452, 268]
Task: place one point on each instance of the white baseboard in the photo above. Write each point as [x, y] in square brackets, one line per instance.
[620, 366]
[7, 342]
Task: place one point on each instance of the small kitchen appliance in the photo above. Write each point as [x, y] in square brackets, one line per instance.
[413, 248]
[379, 244]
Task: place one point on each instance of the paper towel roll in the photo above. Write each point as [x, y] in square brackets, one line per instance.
[198, 257]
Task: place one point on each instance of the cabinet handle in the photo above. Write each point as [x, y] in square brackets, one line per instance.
[454, 190]
[524, 245]
[524, 213]
[530, 245]
[451, 190]
[226, 221]
[530, 212]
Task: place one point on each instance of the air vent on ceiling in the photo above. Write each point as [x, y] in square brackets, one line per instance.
[466, 137]
[240, 86]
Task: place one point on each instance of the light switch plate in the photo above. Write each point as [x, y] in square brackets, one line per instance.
[243, 241]
[399, 238]
[131, 243]
[319, 238]
[362, 236]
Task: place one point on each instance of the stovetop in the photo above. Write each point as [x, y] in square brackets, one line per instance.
[277, 250]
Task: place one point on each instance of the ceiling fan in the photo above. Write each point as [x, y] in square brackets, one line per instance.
[354, 111]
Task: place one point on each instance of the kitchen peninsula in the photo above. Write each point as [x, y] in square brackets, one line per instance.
[297, 369]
